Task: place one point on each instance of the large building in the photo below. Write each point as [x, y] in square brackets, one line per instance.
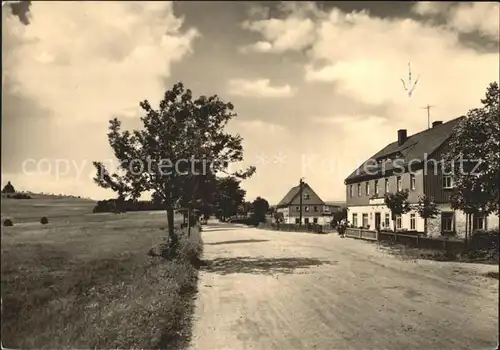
[314, 209]
[411, 162]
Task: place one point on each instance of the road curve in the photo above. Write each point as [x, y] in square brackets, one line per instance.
[283, 290]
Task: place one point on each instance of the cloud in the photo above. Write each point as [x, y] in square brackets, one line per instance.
[295, 32]
[425, 8]
[74, 67]
[482, 17]
[258, 88]
[20, 9]
[91, 60]
[364, 57]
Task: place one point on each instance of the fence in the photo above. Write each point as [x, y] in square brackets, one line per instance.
[421, 241]
[361, 234]
[311, 228]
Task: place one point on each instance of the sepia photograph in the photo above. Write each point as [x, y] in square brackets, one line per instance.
[265, 175]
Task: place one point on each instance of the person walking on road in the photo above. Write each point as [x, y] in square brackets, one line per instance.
[341, 228]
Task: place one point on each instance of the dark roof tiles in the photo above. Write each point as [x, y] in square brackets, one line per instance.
[416, 148]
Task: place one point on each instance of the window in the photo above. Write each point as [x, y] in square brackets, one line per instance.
[297, 221]
[365, 220]
[326, 208]
[399, 184]
[315, 220]
[413, 222]
[376, 188]
[399, 222]
[447, 182]
[387, 187]
[359, 190]
[447, 222]
[479, 222]
[412, 181]
[387, 221]
[297, 208]
[306, 208]
[307, 196]
[306, 221]
[315, 208]
[367, 188]
[355, 220]
[350, 191]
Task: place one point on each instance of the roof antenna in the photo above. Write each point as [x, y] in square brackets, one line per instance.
[428, 107]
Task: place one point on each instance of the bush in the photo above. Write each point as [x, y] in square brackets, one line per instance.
[44, 220]
[19, 196]
[8, 222]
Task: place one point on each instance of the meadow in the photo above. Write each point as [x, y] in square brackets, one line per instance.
[86, 280]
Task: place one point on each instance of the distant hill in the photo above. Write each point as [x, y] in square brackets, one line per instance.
[34, 195]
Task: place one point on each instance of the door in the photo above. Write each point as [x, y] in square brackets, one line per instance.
[377, 221]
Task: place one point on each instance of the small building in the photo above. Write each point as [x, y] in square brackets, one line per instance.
[314, 209]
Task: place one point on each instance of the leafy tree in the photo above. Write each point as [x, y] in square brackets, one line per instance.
[397, 204]
[228, 197]
[260, 209]
[473, 158]
[177, 153]
[9, 188]
[426, 209]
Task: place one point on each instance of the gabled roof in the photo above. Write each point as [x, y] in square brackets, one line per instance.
[293, 193]
[414, 148]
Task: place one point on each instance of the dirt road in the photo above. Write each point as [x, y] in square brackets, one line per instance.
[282, 290]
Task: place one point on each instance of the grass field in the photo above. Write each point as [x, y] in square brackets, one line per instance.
[85, 280]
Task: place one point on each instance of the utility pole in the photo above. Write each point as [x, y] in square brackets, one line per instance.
[428, 107]
[301, 186]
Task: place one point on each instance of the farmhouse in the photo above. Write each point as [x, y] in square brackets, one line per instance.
[411, 162]
[314, 209]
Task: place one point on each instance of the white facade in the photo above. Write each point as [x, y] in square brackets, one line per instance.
[491, 222]
[292, 219]
[409, 221]
[365, 215]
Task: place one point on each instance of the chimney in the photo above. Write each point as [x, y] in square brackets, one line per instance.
[436, 123]
[401, 136]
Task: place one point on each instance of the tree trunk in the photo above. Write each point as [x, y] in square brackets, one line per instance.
[170, 222]
[466, 228]
[189, 218]
[425, 226]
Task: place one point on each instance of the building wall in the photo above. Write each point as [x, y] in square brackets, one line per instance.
[364, 199]
[383, 210]
[290, 214]
[322, 220]
[434, 225]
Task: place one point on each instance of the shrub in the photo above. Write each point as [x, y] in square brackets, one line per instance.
[44, 220]
[8, 222]
[19, 196]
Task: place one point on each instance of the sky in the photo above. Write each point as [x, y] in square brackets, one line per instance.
[316, 85]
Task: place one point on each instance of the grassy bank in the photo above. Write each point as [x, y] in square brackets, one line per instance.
[88, 282]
